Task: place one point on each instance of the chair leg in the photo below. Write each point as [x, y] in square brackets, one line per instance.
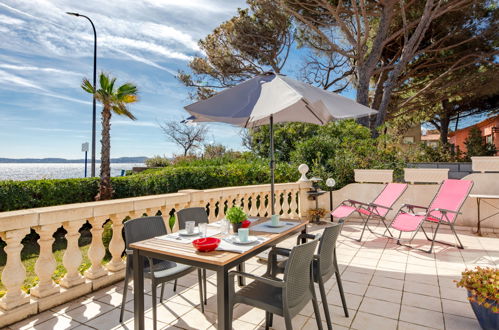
[287, 322]
[162, 292]
[460, 246]
[324, 304]
[200, 280]
[125, 290]
[342, 294]
[175, 286]
[267, 320]
[205, 286]
[154, 304]
[364, 228]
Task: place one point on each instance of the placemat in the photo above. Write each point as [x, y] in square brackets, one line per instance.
[266, 229]
[239, 248]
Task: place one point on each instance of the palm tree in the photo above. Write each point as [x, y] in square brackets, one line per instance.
[113, 100]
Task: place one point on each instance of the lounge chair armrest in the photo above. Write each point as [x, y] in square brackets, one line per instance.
[412, 206]
[382, 206]
[445, 210]
[353, 202]
[269, 281]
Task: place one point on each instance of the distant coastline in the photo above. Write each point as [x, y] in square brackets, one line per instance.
[140, 159]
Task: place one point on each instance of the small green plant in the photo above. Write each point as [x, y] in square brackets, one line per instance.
[235, 215]
[483, 285]
[171, 222]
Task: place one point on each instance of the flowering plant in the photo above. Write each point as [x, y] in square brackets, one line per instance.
[235, 215]
[483, 286]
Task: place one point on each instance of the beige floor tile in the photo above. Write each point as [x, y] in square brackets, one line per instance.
[387, 282]
[454, 322]
[422, 317]
[168, 312]
[58, 322]
[425, 302]
[411, 326]
[353, 301]
[364, 321]
[450, 293]
[398, 275]
[380, 308]
[248, 314]
[384, 294]
[458, 308]
[195, 320]
[33, 321]
[351, 287]
[88, 311]
[420, 288]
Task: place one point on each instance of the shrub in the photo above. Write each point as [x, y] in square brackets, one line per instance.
[16, 195]
[483, 284]
[157, 161]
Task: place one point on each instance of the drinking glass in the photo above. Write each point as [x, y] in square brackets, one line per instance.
[203, 229]
[189, 226]
[274, 220]
[225, 226]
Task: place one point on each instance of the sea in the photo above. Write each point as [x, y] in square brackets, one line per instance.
[35, 171]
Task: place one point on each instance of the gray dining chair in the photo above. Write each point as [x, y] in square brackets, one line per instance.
[324, 264]
[198, 215]
[158, 271]
[286, 297]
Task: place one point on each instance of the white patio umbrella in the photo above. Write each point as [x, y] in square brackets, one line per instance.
[273, 98]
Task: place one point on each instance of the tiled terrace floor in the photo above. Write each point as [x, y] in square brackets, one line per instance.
[387, 287]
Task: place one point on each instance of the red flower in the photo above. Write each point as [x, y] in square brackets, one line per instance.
[245, 224]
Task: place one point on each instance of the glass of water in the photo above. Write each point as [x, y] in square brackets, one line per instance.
[203, 229]
[224, 226]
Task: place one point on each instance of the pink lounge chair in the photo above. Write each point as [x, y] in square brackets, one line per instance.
[443, 210]
[376, 209]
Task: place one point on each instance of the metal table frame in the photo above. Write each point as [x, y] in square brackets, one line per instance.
[222, 278]
[479, 198]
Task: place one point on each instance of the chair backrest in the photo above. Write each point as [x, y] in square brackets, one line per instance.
[450, 196]
[297, 274]
[390, 194]
[327, 247]
[143, 228]
[196, 214]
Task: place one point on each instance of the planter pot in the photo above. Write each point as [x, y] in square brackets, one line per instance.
[236, 226]
[488, 320]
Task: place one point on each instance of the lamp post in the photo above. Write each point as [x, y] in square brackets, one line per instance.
[331, 183]
[95, 79]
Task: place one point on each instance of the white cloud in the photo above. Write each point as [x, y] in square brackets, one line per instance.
[7, 20]
[134, 123]
[40, 69]
[8, 79]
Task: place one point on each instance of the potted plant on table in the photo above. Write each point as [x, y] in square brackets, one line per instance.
[237, 218]
[483, 293]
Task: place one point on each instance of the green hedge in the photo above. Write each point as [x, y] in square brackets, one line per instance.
[15, 195]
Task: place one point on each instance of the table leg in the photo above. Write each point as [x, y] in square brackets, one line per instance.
[223, 299]
[138, 290]
[478, 229]
[241, 279]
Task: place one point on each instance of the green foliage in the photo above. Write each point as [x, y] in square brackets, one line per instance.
[483, 284]
[16, 195]
[171, 221]
[235, 215]
[421, 153]
[157, 161]
[477, 146]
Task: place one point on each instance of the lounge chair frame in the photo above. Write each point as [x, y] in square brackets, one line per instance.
[443, 220]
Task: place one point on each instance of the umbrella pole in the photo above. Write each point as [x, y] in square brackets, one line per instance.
[272, 163]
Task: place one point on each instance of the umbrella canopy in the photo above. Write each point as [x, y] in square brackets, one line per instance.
[270, 98]
[252, 102]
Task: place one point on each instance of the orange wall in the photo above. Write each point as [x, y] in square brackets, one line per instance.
[485, 127]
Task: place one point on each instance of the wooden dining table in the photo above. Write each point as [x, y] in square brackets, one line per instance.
[219, 261]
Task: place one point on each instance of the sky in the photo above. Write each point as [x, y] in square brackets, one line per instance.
[45, 53]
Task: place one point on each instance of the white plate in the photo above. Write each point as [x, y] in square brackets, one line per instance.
[184, 232]
[281, 224]
[235, 239]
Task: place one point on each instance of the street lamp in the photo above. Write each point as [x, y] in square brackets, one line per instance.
[331, 183]
[95, 79]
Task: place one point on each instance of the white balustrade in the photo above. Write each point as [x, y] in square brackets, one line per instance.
[116, 245]
[14, 273]
[96, 252]
[45, 264]
[72, 256]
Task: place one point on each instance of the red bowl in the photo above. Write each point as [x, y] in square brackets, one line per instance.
[206, 244]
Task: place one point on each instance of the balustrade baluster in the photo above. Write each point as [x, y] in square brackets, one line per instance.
[221, 208]
[45, 264]
[72, 257]
[14, 273]
[96, 252]
[285, 204]
[116, 245]
[293, 205]
[213, 207]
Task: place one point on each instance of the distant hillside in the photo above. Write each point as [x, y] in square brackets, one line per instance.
[63, 160]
